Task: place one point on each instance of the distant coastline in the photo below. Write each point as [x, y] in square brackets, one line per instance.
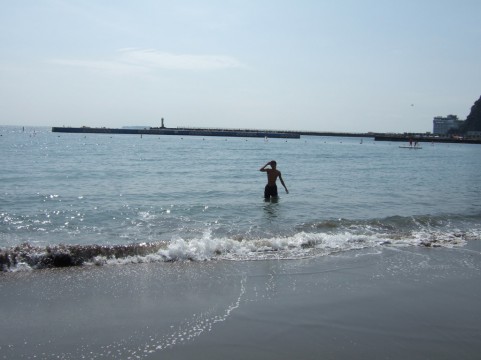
[406, 137]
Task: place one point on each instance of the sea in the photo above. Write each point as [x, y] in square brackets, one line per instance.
[81, 200]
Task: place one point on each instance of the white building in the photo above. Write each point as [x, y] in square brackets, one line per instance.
[442, 125]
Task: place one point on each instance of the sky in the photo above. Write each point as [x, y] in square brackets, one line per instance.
[337, 65]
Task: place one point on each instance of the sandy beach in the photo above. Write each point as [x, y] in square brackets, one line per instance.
[387, 303]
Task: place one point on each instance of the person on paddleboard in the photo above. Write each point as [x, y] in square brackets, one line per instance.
[272, 175]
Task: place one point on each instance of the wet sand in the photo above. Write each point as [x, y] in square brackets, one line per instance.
[389, 303]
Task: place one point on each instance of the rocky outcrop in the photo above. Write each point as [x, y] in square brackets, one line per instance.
[473, 121]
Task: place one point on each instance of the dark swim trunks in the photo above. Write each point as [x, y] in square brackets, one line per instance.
[270, 190]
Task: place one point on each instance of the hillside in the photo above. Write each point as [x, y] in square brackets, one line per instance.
[473, 121]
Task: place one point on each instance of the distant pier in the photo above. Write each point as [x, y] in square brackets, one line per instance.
[424, 138]
[182, 131]
[264, 133]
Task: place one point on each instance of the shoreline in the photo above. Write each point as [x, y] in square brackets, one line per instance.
[395, 303]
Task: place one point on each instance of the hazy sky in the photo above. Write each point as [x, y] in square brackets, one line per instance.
[338, 65]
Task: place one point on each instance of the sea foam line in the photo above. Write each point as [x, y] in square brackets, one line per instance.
[300, 245]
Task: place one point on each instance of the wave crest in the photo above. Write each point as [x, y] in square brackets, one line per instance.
[34, 257]
[300, 245]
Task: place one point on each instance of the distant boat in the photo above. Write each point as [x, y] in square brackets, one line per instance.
[411, 147]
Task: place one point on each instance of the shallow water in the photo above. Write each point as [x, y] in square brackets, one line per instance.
[75, 199]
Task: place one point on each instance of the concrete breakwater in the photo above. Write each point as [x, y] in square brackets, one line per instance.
[423, 138]
[181, 131]
[263, 133]
[287, 134]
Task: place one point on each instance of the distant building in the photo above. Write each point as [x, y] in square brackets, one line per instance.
[445, 125]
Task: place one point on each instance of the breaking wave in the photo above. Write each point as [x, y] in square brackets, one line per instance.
[308, 240]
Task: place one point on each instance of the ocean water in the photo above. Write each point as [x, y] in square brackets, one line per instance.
[93, 199]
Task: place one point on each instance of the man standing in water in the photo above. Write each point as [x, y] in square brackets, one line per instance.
[272, 175]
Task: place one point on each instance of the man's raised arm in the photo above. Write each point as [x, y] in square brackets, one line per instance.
[264, 167]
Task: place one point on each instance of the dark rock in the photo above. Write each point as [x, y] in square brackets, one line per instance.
[473, 121]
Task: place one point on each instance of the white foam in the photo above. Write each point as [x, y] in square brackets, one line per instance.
[299, 245]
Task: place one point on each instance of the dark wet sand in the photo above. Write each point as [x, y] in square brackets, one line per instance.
[410, 303]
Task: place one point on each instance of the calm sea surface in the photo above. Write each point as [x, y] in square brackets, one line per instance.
[125, 198]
